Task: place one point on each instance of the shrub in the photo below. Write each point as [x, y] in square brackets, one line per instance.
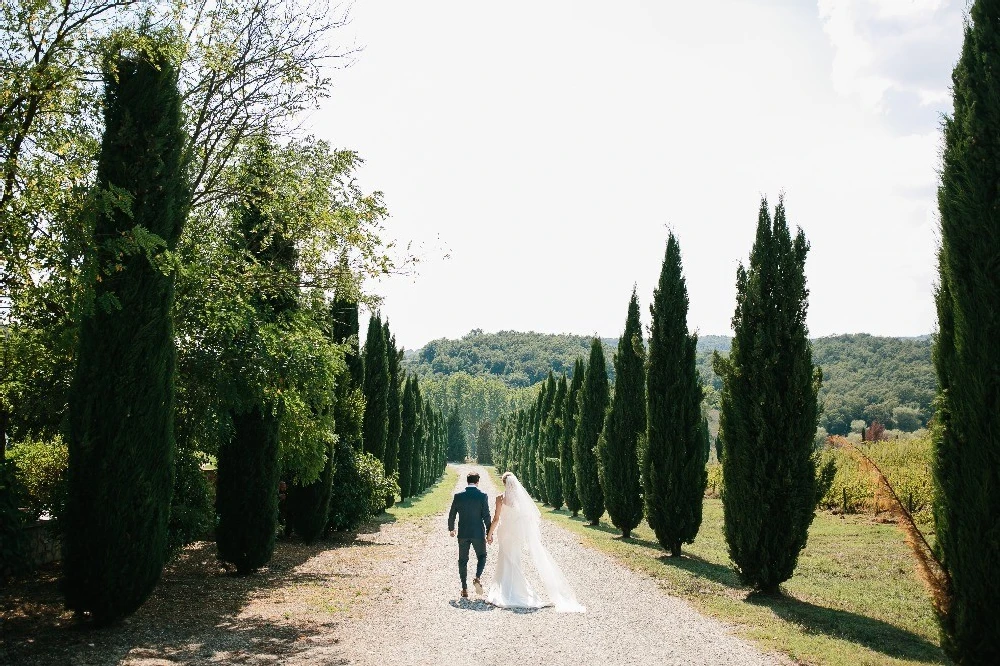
[40, 467]
[192, 506]
[12, 558]
[359, 488]
[714, 486]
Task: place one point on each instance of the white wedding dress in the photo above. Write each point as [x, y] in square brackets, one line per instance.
[519, 533]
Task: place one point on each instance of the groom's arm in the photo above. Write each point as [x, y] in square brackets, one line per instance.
[487, 521]
[452, 514]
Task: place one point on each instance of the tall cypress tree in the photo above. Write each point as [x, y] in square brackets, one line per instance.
[967, 350]
[408, 426]
[618, 446]
[593, 405]
[548, 397]
[515, 450]
[428, 458]
[768, 410]
[674, 475]
[484, 443]
[458, 448]
[417, 454]
[394, 405]
[527, 451]
[553, 442]
[566, 459]
[247, 477]
[376, 387]
[121, 443]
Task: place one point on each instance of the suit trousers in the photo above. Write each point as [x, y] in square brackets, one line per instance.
[479, 545]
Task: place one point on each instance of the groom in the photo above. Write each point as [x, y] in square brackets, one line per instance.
[473, 510]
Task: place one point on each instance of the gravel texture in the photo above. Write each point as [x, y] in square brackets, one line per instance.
[629, 619]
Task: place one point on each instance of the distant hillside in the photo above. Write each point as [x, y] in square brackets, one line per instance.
[864, 377]
[518, 359]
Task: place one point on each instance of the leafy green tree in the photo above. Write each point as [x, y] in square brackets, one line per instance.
[247, 478]
[594, 396]
[618, 445]
[121, 444]
[567, 467]
[553, 443]
[674, 472]
[769, 410]
[376, 423]
[967, 351]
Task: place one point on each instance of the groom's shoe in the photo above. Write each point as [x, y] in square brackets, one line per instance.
[465, 594]
[479, 586]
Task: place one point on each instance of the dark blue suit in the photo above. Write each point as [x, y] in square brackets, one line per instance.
[472, 508]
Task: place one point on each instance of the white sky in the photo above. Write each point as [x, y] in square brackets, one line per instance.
[546, 146]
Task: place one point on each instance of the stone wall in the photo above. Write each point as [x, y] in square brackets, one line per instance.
[43, 543]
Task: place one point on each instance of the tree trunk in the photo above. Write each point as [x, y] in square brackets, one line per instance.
[626, 534]
[675, 550]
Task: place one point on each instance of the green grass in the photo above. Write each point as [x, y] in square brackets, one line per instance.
[854, 599]
[429, 503]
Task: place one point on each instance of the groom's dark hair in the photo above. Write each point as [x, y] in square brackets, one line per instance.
[472, 478]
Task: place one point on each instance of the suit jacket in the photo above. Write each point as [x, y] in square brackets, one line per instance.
[473, 510]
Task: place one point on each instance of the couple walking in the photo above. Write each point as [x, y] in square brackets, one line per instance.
[516, 526]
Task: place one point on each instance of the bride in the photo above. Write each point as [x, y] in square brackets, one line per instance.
[517, 525]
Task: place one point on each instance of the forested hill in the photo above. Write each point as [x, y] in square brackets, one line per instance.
[518, 359]
[865, 377]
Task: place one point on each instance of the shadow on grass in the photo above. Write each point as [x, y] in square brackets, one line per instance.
[718, 573]
[873, 634]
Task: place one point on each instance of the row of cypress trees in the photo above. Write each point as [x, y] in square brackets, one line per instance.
[374, 428]
[581, 444]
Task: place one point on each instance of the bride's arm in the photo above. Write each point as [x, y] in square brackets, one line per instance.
[496, 517]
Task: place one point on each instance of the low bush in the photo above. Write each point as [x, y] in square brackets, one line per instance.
[12, 519]
[360, 487]
[40, 468]
[192, 507]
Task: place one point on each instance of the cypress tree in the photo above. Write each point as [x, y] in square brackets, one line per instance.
[593, 405]
[484, 443]
[514, 465]
[527, 452]
[768, 410]
[376, 423]
[308, 506]
[618, 446]
[417, 455]
[121, 443]
[393, 402]
[674, 473]
[429, 458]
[247, 477]
[548, 397]
[408, 425]
[567, 467]
[458, 448]
[967, 350]
[553, 442]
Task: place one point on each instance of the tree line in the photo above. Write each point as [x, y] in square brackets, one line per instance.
[181, 304]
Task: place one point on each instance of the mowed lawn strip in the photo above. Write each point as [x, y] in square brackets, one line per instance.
[854, 599]
[427, 504]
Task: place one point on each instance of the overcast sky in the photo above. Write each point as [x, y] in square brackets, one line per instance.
[547, 146]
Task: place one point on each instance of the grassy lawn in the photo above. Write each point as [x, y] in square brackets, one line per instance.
[854, 599]
[429, 503]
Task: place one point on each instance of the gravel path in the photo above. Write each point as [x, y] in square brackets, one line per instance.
[629, 620]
